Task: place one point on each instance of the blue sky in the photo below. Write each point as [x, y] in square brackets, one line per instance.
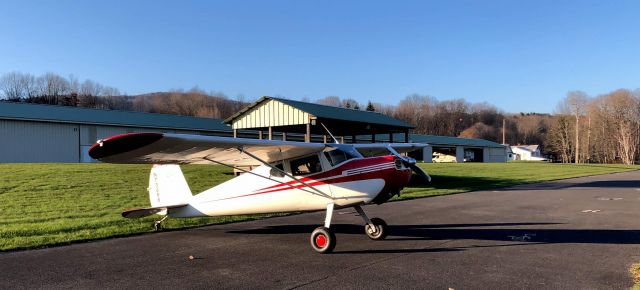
[517, 55]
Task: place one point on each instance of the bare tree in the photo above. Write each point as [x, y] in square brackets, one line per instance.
[479, 130]
[531, 128]
[89, 93]
[575, 103]
[74, 84]
[350, 104]
[52, 87]
[389, 110]
[113, 99]
[623, 108]
[560, 138]
[13, 86]
[330, 101]
[31, 87]
[417, 110]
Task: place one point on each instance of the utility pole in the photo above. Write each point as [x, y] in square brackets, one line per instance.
[577, 135]
[503, 131]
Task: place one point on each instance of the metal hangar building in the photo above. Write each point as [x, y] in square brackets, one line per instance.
[289, 116]
[45, 133]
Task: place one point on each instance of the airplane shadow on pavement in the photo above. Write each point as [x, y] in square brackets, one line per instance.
[505, 184]
[604, 184]
[513, 234]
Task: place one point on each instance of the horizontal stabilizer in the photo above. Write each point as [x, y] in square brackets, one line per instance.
[142, 212]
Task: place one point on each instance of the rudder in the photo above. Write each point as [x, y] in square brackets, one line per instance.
[167, 186]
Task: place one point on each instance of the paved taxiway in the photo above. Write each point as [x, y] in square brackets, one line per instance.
[579, 233]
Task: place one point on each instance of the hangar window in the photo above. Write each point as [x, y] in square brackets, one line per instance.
[306, 165]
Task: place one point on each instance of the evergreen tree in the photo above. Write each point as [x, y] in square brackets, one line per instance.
[370, 107]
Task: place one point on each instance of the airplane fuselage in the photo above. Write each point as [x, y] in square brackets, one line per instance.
[353, 182]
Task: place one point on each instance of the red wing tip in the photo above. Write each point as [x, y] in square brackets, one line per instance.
[122, 143]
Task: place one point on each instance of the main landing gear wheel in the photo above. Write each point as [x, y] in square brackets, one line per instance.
[378, 231]
[323, 240]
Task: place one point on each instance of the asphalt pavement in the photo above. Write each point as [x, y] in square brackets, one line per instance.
[581, 233]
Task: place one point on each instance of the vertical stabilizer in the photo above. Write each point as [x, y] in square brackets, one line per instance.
[167, 186]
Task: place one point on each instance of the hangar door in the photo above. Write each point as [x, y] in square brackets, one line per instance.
[27, 141]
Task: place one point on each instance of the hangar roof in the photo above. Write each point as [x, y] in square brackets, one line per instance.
[63, 114]
[456, 141]
[331, 112]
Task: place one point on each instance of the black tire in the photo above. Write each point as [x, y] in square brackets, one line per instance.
[378, 232]
[323, 240]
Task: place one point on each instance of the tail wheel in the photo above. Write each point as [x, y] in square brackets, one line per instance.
[378, 231]
[323, 240]
[157, 226]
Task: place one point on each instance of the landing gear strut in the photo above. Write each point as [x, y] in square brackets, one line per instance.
[157, 225]
[323, 240]
[375, 228]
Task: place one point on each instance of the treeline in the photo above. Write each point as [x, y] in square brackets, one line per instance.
[584, 129]
[459, 118]
[601, 129]
[54, 89]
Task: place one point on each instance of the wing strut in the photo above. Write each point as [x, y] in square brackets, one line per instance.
[334, 138]
[287, 174]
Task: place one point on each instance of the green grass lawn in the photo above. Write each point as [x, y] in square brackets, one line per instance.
[51, 204]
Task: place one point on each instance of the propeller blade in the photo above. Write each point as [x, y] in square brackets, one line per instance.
[396, 154]
[420, 172]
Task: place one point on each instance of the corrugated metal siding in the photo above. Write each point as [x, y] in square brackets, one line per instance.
[32, 141]
[271, 113]
[497, 155]
[23, 141]
[89, 134]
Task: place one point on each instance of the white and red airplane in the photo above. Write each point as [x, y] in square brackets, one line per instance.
[288, 177]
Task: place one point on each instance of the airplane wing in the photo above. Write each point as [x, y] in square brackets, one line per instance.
[381, 148]
[158, 148]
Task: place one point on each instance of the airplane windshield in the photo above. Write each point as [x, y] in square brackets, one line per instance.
[338, 156]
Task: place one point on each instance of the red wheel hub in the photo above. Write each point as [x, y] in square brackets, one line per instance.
[321, 240]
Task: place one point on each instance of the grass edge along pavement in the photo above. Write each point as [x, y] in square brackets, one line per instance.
[44, 205]
[635, 275]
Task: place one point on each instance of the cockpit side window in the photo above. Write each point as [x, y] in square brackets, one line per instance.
[337, 156]
[275, 172]
[306, 165]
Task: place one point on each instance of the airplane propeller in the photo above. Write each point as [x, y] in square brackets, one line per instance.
[411, 163]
